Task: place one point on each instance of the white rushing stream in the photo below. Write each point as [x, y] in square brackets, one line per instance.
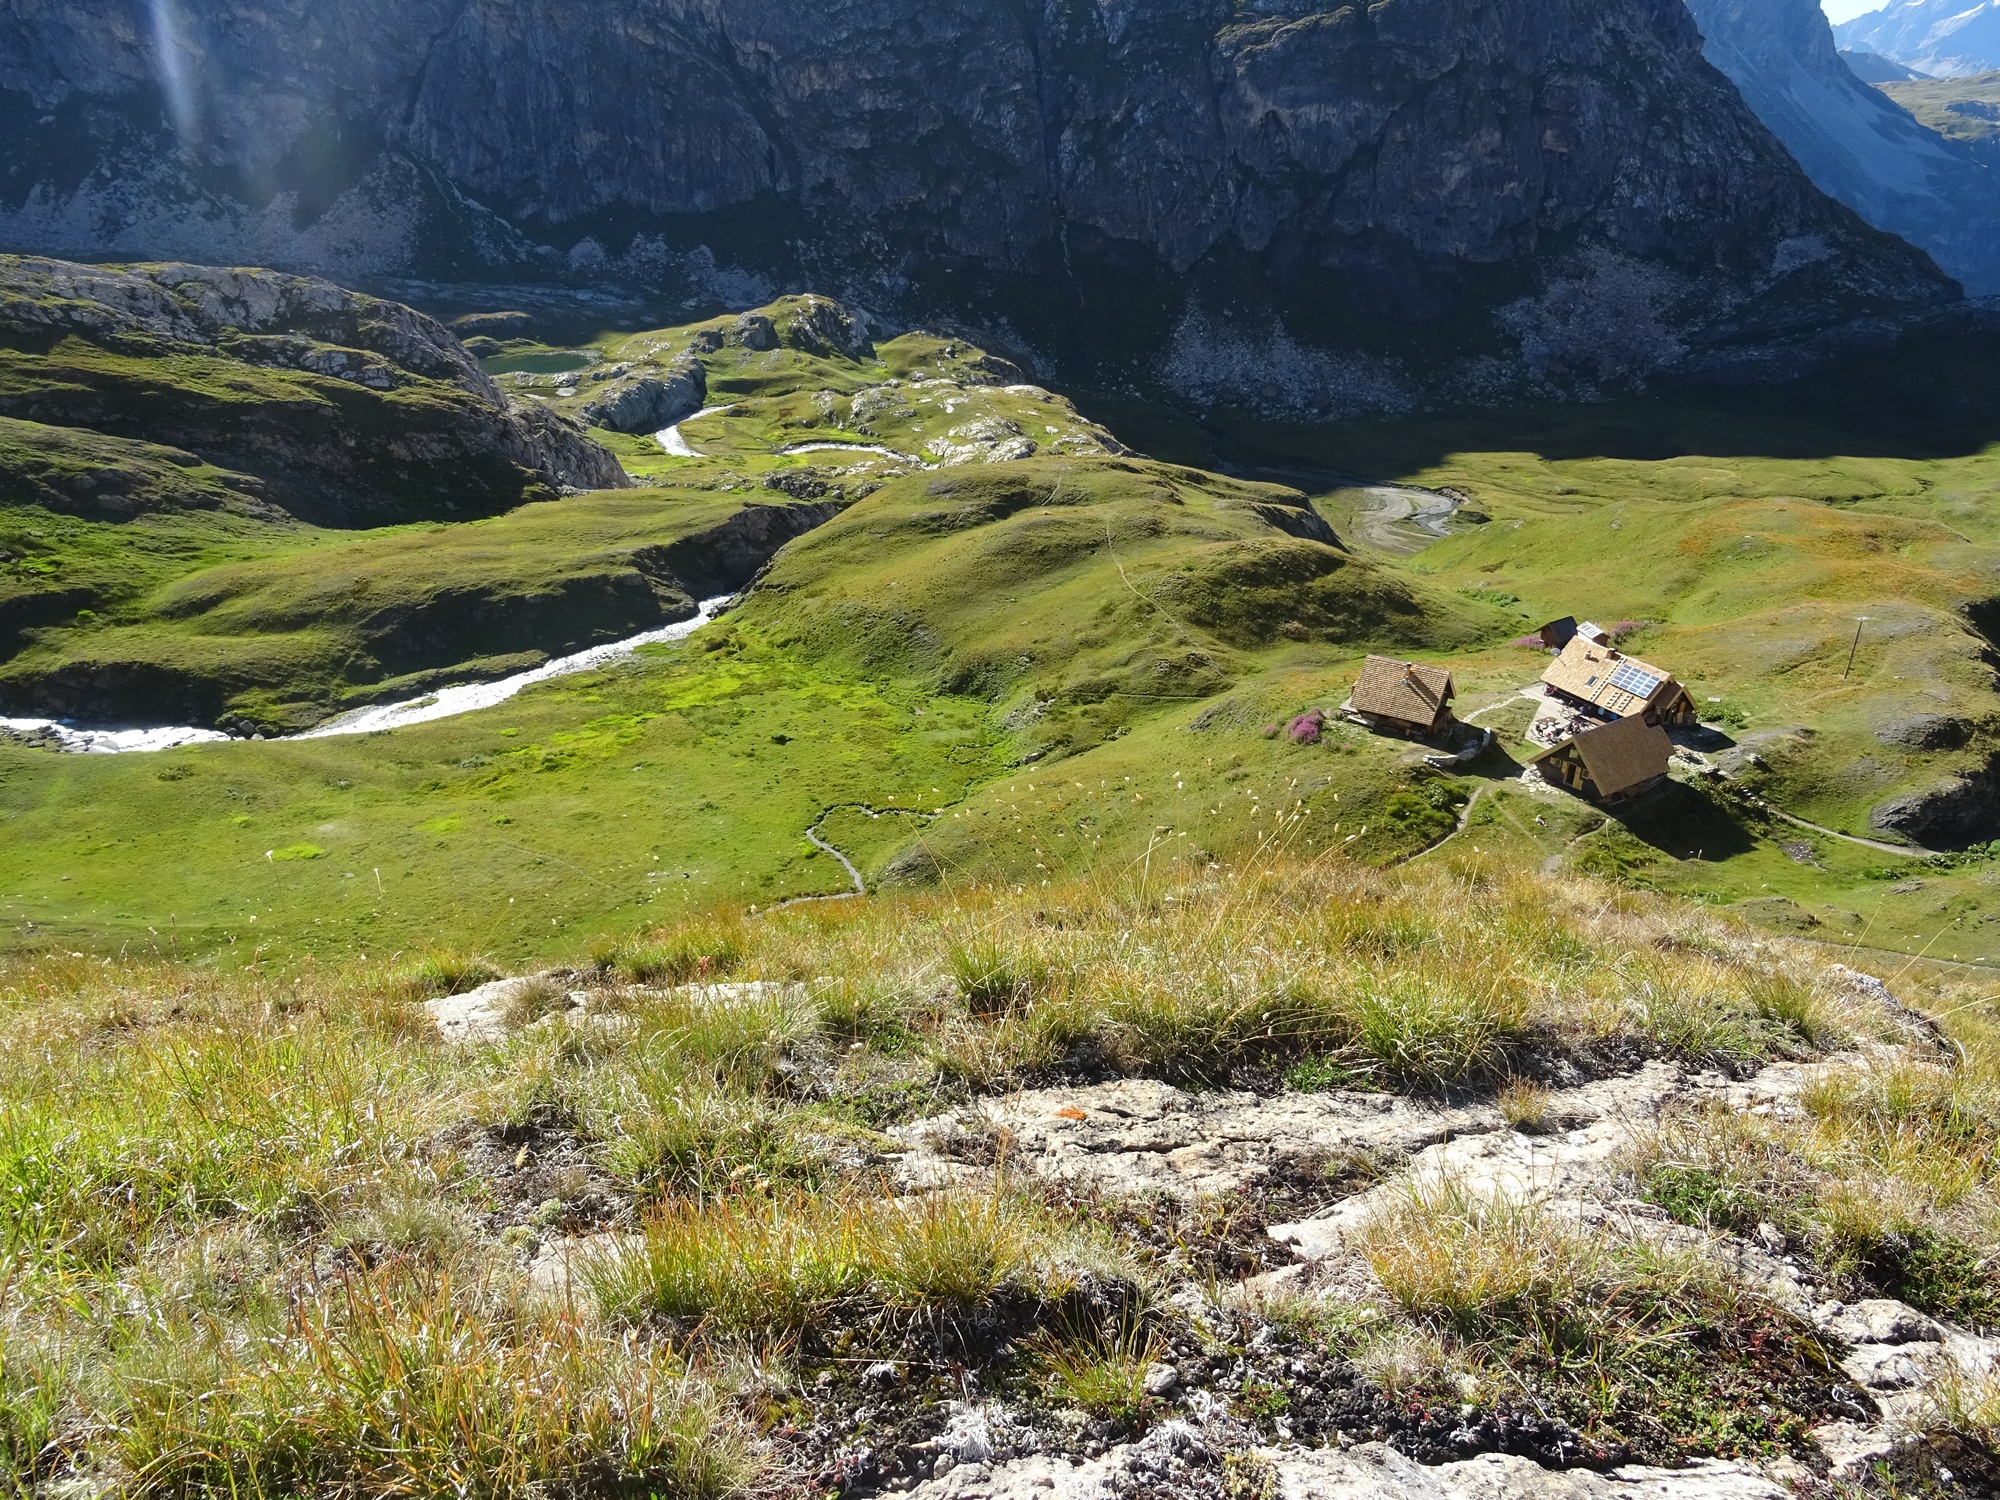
[671, 440]
[442, 704]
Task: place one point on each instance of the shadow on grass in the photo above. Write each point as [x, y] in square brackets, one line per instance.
[1684, 822]
[1933, 395]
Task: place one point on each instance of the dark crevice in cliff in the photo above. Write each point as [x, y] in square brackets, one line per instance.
[420, 78]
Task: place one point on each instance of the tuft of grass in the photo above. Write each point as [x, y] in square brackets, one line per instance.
[1788, 1004]
[994, 978]
[1524, 1105]
[1635, 1345]
[1883, 1182]
[391, 1387]
[1968, 1405]
[33, 1382]
[695, 953]
[445, 971]
[1425, 1030]
[776, 1264]
[1102, 1369]
[533, 999]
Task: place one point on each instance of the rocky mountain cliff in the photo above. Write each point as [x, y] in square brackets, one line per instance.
[1314, 207]
[1859, 145]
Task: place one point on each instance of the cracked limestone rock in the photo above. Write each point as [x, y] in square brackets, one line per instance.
[1371, 1471]
[1140, 1136]
[491, 1013]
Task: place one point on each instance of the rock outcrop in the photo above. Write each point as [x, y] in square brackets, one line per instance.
[335, 445]
[1859, 145]
[648, 402]
[1962, 809]
[1308, 206]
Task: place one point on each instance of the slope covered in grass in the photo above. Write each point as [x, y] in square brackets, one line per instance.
[269, 1232]
[146, 585]
[880, 663]
[280, 641]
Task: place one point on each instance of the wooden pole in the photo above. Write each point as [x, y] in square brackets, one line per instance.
[1862, 620]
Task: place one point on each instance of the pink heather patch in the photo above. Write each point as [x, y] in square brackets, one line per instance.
[1305, 729]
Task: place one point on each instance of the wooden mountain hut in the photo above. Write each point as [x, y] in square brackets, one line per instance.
[1610, 762]
[1605, 683]
[1403, 697]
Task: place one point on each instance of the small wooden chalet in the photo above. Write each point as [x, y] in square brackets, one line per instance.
[1558, 633]
[1609, 762]
[1402, 697]
[1605, 683]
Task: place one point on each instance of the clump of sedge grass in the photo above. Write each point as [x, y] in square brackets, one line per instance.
[1633, 1345]
[696, 952]
[1525, 1105]
[775, 1264]
[1100, 1369]
[392, 1387]
[443, 971]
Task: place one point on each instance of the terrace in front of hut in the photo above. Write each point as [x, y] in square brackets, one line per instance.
[1606, 718]
[1591, 682]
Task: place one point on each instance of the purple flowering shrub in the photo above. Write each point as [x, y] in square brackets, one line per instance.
[1307, 727]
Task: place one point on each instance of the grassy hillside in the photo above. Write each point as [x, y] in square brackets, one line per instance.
[1966, 109]
[874, 666]
[147, 585]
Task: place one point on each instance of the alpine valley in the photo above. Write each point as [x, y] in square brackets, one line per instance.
[1081, 748]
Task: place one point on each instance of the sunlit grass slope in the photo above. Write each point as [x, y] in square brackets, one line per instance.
[267, 1233]
[942, 629]
[1746, 546]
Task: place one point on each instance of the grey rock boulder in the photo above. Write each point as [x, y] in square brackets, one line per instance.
[1961, 809]
[648, 400]
[1881, 1320]
[1927, 732]
[490, 1013]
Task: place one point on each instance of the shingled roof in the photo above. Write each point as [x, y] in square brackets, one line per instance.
[1405, 691]
[1620, 756]
[1607, 679]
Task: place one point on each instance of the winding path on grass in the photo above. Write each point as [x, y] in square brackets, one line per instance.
[1903, 851]
[853, 874]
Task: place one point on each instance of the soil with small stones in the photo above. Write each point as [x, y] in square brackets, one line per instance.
[867, 1424]
[1225, 1236]
[538, 1173]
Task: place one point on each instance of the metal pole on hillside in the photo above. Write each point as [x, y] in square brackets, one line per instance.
[1859, 621]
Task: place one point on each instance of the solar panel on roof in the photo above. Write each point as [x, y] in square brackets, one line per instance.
[1636, 680]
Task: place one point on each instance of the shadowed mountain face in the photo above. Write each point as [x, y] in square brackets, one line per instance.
[1941, 38]
[1859, 145]
[1316, 209]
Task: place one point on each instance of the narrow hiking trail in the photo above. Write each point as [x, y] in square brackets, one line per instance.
[813, 837]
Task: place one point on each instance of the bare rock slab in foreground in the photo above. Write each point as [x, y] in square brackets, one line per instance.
[1371, 1471]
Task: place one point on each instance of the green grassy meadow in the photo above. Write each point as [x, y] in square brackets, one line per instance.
[1027, 670]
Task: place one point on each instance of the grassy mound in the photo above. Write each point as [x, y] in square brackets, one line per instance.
[1075, 592]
